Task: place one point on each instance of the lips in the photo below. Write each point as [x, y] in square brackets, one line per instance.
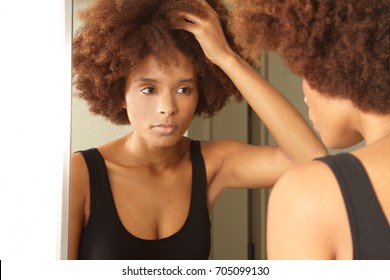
[165, 129]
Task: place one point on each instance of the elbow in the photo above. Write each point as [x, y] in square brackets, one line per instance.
[312, 152]
[318, 152]
[308, 154]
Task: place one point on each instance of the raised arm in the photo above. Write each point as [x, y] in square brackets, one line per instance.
[297, 142]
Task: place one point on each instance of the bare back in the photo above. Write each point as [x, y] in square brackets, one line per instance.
[308, 206]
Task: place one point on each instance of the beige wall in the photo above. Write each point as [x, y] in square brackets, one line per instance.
[229, 216]
[89, 130]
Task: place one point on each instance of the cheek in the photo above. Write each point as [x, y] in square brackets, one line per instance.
[323, 113]
[188, 105]
[330, 134]
[193, 105]
[335, 130]
[323, 123]
[315, 115]
[138, 108]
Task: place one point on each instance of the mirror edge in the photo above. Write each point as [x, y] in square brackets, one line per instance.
[62, 251]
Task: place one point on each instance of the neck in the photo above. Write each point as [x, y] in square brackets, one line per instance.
[374, 127]
[152, 156]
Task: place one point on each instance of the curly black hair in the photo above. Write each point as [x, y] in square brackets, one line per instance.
[341, 47]
[118, 34]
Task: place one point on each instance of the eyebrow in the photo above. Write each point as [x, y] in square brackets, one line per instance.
[150, 80]
[142, 79]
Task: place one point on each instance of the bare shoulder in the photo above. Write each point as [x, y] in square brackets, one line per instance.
[305, 213]
[304, 188]
[79, 179]
[233, 149]
[310, 178]
[220, 146]
[229, 153]
[79, 168]
[215, 152]
[77, 159]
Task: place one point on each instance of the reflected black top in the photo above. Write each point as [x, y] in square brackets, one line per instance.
[369, 227]
[104, 236]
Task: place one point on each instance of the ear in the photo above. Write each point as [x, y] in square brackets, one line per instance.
[123, 104]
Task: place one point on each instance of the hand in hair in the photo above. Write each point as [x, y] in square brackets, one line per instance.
[207, 30]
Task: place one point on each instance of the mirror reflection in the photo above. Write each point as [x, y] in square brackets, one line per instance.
[139, 190]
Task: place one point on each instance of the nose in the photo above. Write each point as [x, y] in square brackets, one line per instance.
[167, 105]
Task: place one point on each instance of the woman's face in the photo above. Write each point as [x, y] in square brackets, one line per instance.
[161, 101]
[333, 118]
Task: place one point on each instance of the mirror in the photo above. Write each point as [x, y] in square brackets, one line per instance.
[91, 131]
[239, 216]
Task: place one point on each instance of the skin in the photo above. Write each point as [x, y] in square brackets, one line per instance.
[157, 159]
[307, 218]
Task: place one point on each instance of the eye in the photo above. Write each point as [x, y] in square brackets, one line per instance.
[184, 90]
[148, 90]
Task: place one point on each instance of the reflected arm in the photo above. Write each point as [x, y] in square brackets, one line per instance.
[79, 185]
[244, 165]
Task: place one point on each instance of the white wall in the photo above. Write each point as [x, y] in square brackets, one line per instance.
[35, 128]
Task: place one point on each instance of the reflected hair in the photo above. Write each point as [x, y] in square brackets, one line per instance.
[340, 47]
[118, 34]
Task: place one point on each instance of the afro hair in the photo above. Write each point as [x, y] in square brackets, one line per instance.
[118, 34]
[340, 47]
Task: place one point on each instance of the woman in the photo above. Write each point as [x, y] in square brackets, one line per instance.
[337, 207]
[148, 194]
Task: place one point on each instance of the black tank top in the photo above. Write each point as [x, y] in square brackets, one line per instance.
[104, 236]
[369, 227]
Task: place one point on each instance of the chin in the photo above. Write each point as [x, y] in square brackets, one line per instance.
[166, 141]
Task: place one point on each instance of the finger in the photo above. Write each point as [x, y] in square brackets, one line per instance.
[185, 21]
[189, 17]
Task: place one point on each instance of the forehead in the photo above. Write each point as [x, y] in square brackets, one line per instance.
[152, 65]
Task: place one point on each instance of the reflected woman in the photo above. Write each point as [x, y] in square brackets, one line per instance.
[337, 207]
[148, 195]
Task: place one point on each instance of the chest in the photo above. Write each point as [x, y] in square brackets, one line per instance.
[151, 204]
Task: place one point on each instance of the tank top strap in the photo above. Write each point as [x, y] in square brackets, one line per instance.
[99, 182]
[199, 179]
[367, 221]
